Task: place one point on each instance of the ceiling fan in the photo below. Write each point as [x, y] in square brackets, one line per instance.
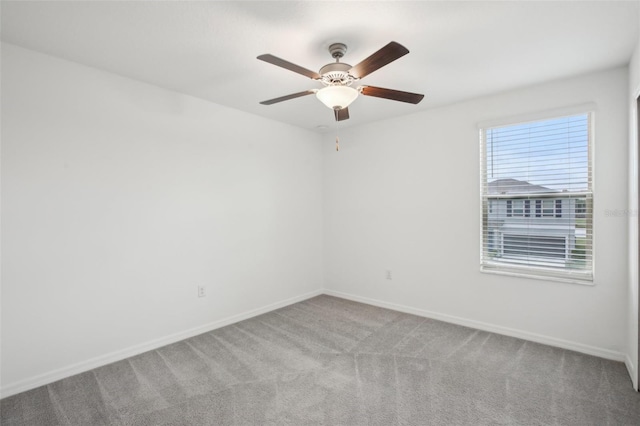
[337, 77]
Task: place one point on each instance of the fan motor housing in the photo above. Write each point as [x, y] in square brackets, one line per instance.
[336, 73]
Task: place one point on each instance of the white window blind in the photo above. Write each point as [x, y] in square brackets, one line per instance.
[537, 199]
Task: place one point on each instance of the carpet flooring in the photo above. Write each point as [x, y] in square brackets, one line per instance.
[329, 361]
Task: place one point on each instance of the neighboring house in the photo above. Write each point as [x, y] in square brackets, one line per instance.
[532, 222]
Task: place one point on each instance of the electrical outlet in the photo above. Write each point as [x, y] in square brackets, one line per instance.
[202, 291]
[388, 274]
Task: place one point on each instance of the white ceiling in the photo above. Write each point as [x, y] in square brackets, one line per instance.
[459, 50]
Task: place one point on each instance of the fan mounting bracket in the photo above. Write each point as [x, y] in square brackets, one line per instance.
[337, 50]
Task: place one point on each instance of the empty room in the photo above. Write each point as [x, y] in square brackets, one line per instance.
[319, 213]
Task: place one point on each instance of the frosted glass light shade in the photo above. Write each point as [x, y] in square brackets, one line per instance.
[337, 97]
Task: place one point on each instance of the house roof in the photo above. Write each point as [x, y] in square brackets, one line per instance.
[513, 186]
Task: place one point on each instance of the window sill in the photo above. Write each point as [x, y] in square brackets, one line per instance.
[535, 276]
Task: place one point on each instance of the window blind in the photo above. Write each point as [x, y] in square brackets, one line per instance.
[537, 198]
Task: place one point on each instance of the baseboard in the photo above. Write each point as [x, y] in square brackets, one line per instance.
[520, 334]
[81, 367]
[52, 376]
[632, 372]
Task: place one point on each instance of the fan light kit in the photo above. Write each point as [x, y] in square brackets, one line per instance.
[337, 77]
[337, 97]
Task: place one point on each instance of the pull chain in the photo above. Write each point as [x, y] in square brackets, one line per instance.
[337, 140]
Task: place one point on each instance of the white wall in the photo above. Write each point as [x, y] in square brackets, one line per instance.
[634, 208]
[119, 198]
[403, 195]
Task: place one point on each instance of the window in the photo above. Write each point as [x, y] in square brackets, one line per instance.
[537, 179]
[518, 208]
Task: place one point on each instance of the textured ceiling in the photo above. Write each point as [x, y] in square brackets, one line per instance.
[459, 50]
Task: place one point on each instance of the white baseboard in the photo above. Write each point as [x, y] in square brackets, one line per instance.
[632, 371]
[81, 367]
[520, 334]
[52, 376]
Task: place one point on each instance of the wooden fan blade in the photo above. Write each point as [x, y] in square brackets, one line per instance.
[289, 66]
[382, 57]
[287, 97]
[394, 95]
[342, 114]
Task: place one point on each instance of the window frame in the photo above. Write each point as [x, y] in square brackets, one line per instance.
[583, 277]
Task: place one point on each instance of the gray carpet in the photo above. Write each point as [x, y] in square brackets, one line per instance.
[328, 361]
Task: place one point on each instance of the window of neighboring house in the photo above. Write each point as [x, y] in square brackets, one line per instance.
[537, 198]
[518, 208]
[545, 208]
